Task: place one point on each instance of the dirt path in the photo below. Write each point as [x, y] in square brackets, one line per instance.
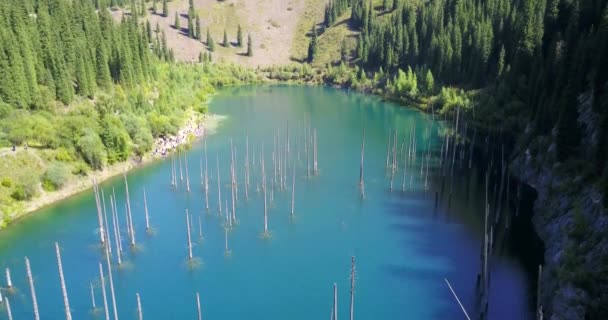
[272, 24]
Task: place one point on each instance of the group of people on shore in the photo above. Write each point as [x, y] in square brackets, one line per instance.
[167, 144]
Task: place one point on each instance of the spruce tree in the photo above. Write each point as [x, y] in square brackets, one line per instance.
[210, 42]
[191, 23]
[165, 9]
[148, 31]
[239, 37]
[429, 82]
[154, 9]
[225, 39]
[312, 46]
[176, 24]
[249, 46]
[198, 28]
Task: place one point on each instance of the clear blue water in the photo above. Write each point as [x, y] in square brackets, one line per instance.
[404, 247]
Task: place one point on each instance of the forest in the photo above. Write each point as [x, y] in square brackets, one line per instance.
[87, 91]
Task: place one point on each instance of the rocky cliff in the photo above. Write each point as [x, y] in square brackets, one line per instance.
[570, 219]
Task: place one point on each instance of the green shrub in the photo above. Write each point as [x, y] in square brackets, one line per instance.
[63, 155]
[55, 177]
[25, 190]
[6, 182]
[80, 169]
[18, 193]
[92, 150]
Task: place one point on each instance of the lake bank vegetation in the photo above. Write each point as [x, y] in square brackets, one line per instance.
[100, 98]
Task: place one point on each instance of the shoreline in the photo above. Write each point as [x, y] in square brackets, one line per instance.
[189, 133]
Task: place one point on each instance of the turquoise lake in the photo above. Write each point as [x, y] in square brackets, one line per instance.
[404, 246]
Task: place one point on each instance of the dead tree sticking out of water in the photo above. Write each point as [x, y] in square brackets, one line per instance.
[99, 213]
[9, 282]
[9, 313]
[189, 239]
[279, 160]
[265, 234]
[132, 230]
[457, 300]
[200, 168]
[66, 301]
[103, 292]
[116, 231]
[112, 293]
[106, 225]
[315, 168]
[219, 190]
[30, 279]
[352, 288]
[206, 179]
[198, 306]
[335, 301]
[236, 179]
[233, 181]
[361, 182]
[173, 177]
[187, 174]
[227, 251]
[93, 298]
[394, 159]
[228, 216]
[146, 211]
[308, 152]
[247, 166]
[140, 314]
[293, 191]
[388, 148]
[181, 173]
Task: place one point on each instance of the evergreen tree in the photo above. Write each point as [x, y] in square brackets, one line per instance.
[501, 61]
[176, 24]
[148, 31]
[312, 46]
[198, 28]
[249, 46]
[226, 44]
[154, 8]
[165, 9]
[429, 82]
[239, 37]
[191, 31]
[210, 42]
